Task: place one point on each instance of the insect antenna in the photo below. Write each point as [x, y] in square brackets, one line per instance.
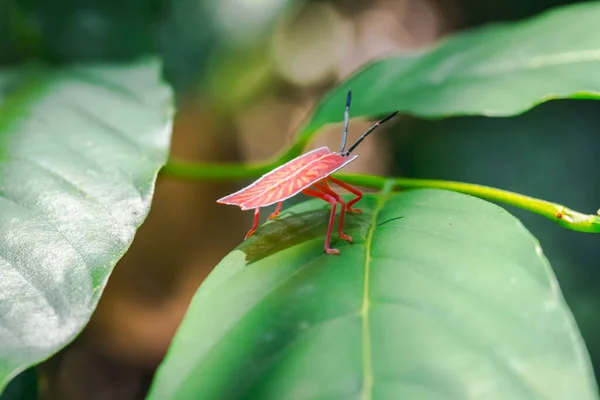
[364, 135]
[346, 119]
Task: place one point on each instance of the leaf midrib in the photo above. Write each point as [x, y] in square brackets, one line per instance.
[367, 386]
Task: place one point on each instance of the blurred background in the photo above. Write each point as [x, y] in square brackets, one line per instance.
[246, 73]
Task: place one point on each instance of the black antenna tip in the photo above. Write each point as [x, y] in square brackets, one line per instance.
[392, 115]
[348, 98]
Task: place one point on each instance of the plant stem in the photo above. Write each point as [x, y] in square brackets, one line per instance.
[564, 216]
[221, 172]
[215, 172]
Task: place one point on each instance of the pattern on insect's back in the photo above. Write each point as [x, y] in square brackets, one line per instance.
[274, 177]
[295, 181]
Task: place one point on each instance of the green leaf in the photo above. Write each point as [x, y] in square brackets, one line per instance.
[441, 296]
[80, 149]
[497, 70]
[23, 387]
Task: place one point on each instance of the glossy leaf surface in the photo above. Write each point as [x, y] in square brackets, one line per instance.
[79, 152]
[441, 296]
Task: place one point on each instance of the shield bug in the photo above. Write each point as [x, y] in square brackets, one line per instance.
[309, 174]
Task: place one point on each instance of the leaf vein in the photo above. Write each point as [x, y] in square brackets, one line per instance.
[367, 386]
[40, 216]
[82, 192]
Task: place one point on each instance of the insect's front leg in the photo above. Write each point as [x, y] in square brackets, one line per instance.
[277, 210]
[324, 187]
[331, 200]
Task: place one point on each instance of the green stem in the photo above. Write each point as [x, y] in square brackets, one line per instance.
[564, 216]
[220, 172]
[215, 172]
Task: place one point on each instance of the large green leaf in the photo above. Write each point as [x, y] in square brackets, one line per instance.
[497, 70]
[80, 150]
[441, 296]
[23, 387]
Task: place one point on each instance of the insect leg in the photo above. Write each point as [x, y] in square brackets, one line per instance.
[352, 190]
[324, 187]
[255, 224]
[277, 210]
[330, 199]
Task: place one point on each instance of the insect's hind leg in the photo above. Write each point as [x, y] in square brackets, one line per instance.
[331, 200]
[352, 190]
[255, 224]
[324, 187]
[277, 211]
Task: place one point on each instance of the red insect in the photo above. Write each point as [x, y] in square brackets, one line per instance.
[308, 174]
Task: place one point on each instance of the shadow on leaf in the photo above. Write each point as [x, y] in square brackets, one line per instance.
[291, 229]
